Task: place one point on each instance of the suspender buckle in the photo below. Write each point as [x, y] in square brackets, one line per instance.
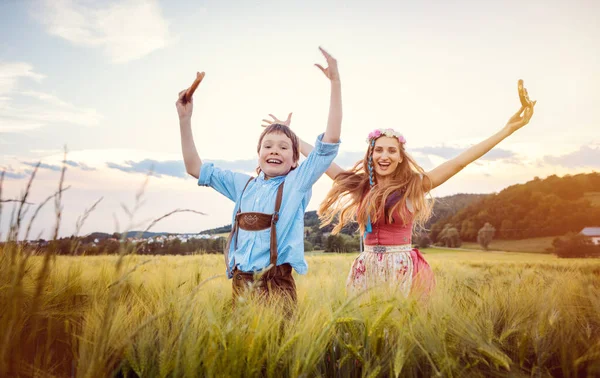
[275, 216]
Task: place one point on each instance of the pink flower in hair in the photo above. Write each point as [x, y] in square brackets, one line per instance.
[387, 132]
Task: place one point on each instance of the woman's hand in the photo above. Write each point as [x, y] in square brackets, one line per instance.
[523, 116]
[268, 122]
[520, 118]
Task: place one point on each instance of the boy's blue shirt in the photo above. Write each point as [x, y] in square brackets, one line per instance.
[252, 252]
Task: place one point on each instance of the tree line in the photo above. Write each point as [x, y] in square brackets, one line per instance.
[548, 207]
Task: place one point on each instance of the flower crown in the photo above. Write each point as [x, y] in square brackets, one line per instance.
[386, 132]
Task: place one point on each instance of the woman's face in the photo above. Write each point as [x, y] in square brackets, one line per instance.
[386, 155]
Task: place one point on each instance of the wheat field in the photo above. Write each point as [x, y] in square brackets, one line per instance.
[491, 314]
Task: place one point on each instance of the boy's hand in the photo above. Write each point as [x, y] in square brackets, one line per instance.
[184, 108]
[185, 100]
[331, 71]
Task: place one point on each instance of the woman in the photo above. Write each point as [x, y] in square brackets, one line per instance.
[385, 193]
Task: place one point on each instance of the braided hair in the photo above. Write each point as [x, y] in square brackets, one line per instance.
[368, 226]
[370, 163]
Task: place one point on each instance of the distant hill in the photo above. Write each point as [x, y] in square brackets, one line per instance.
[593, 197]
[218, 230]
[541, 207]
[96, 235]
[147, 234]
[445, 207]
[102, 235]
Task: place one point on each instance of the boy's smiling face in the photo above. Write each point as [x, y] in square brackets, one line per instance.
[276, 155]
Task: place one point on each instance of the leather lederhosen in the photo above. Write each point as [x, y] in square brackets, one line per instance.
[277, 279]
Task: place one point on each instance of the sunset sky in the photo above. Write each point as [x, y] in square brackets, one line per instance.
[102, 77]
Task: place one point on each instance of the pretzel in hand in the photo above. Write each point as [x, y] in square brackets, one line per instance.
[192, 88]
[523, 95]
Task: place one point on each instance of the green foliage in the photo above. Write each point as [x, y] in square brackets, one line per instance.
[538, 208]
[445, 207]
[485, 235]
[449, 237]
[575, 245]
[109, 246]
[422, 240]
[342, 243]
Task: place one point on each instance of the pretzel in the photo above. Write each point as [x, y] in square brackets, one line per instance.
[523, 95]
[190, 92]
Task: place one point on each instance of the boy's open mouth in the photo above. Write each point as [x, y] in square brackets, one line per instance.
[274, 161]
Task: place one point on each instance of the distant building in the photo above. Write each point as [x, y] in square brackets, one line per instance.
[593, 233]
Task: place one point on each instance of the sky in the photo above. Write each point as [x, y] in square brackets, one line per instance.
[101, 79]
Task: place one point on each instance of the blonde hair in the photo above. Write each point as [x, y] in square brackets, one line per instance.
[353, 198]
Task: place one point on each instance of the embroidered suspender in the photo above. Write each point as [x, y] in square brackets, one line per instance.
[255, 221]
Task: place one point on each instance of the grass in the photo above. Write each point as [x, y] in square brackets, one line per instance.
[532, 245]
[501, 314]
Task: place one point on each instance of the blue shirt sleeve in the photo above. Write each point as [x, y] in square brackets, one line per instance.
[228, 183]
[316, 163]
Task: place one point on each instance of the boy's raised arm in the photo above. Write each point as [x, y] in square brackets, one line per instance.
[188, 147]
[334, 121]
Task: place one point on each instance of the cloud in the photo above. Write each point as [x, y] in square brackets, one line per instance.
[10, 173]
[441, 151]
[80, 165]
[15, 175]
[176, 168]
[348, 159]
[173, 168]
[35, 109]
[448, 152]
[586, 156]
[246, 165]
[10, 73]
[51, 167]
[125, 30]
[49, 109]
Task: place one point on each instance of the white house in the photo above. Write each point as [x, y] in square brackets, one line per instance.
[593, 233]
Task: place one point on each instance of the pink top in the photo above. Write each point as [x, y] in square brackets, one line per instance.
[395, 233]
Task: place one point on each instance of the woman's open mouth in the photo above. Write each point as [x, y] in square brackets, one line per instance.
[384, 165]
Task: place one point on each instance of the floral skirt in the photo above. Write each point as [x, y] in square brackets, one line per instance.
[400, 268]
